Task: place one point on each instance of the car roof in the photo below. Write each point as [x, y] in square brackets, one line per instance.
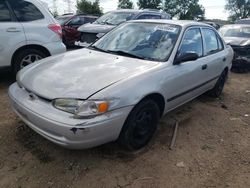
[182, 23]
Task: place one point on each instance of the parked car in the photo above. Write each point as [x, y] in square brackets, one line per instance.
[120, 86]
[238, 36]
[28, 32]
[92, 31]
[70, 24]
[243, 21]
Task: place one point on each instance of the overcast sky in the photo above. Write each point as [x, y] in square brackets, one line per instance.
[214, 8]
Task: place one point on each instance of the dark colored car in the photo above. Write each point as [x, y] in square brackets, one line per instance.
[243, 21]
[238, 36]
[70, 23]
[92, 31]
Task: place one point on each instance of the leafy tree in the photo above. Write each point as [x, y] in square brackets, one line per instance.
[88, 7]
[185, 9]
[238, 9]
[149, 4]
[125, 4]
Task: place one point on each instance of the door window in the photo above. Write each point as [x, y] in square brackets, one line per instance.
[211, 41]
[5, 13]
[25, 11]
[192, 42]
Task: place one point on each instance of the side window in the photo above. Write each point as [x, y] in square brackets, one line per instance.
[25, 11]
[211, 42]
[76, 21]
[192, 42]
[148, 16]
[89, 20]
[5, 13]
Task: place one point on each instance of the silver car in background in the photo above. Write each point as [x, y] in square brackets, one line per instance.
[118, 88]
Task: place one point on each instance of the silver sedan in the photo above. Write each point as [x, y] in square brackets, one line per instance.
[119, 87]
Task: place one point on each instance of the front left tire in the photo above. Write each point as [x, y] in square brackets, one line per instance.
[140, 125]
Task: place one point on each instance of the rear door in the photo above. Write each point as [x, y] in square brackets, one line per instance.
[214, 54]
[35, 20]
[11, 34]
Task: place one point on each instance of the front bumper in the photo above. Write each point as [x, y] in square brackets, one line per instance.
[241, 57]
[60, 127]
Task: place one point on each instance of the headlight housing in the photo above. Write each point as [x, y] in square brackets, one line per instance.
[82, 108]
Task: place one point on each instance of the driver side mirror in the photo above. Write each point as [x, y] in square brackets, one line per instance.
[189, 56]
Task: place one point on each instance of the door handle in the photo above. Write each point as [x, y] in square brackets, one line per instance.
[13, 30]
[204, 67]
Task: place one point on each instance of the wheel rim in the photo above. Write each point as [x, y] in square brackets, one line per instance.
[143, 127]
[31, 58]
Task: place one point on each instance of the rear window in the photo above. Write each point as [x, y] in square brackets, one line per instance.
[5, 13]
[26, 11]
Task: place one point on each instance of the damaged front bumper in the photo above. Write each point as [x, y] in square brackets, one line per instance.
[241, 59]
[60, 127]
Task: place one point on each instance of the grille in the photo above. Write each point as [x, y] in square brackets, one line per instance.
[88, 37]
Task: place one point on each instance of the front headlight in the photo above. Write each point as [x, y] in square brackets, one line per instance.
[81, 107]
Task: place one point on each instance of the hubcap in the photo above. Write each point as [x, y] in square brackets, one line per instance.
[31, 58]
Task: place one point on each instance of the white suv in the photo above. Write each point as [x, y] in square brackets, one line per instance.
[28, 32]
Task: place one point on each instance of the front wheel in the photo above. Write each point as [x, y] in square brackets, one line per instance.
[140, 125]
[219, 86]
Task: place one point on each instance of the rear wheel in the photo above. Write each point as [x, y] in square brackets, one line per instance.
[140, 125]
[219, 86]
[26, 57]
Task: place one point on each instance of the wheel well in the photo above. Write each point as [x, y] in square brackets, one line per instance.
[158, 99]
[226, 70]
[37, 47]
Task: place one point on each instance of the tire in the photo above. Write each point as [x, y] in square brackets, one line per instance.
[26, 57]
[219, 86]
[140, 125]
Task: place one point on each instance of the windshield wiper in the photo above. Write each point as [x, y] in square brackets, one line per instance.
[123, 53]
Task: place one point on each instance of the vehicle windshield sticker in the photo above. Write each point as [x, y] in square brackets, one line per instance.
[167, 28]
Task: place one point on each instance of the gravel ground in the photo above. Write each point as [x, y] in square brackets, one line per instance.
[212, 149]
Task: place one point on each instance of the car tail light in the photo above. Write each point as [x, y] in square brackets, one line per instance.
[56, 28]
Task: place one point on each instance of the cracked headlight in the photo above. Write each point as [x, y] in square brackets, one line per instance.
[82, 108]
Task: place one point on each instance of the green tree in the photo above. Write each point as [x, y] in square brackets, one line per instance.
[149, 4]
[125, 4]
[185, 9]
[85, 6]
[238, 9]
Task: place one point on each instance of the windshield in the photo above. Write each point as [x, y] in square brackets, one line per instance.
[115, 18]
[63, 20]
[148, 41]
[242, 32]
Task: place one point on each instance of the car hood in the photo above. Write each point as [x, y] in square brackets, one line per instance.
[95, 28]
[237, 41]
[78, 74]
